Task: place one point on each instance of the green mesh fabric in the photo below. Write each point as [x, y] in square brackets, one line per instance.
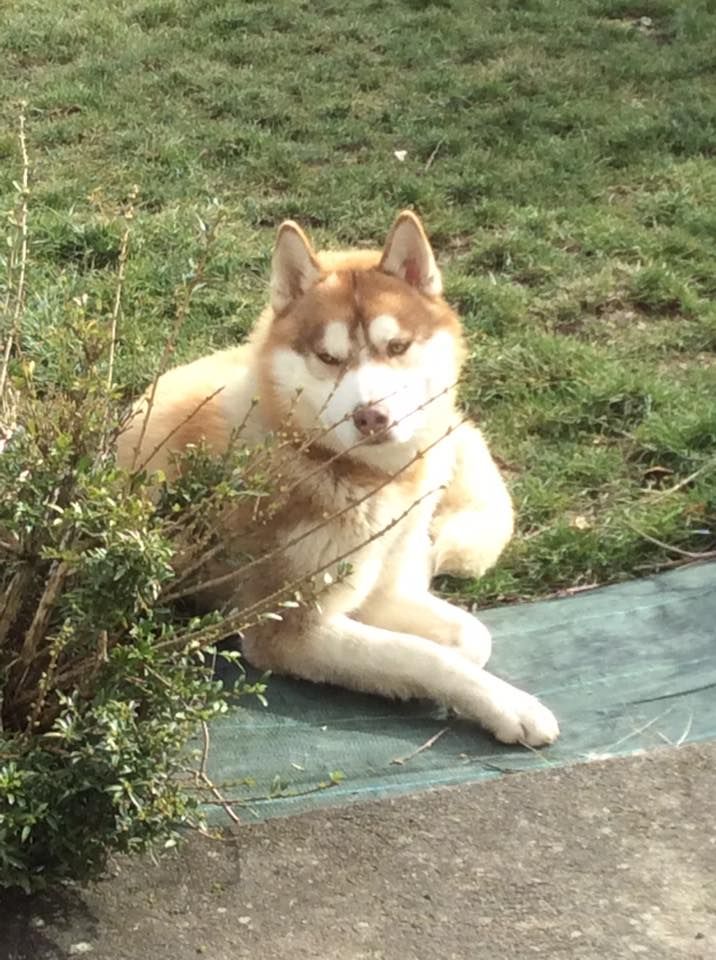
[626, 668]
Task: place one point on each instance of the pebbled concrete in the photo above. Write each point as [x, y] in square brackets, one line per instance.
[593, 862]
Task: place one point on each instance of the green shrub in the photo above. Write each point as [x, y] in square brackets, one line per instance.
[107, 672]
[103, 682]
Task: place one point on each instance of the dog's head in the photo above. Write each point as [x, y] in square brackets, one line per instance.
[362, 349]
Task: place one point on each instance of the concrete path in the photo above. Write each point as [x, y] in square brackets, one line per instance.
[602, 861]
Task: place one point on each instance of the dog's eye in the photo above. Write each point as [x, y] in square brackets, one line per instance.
[328, 358]
[397, 348]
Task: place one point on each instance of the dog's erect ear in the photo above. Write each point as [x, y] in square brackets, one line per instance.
[408, 255]
[294, 267]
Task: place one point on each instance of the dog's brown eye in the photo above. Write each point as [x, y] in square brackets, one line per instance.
[328, 358]
[398, 347]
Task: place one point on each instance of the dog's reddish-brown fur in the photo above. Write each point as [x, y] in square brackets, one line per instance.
[345, 333]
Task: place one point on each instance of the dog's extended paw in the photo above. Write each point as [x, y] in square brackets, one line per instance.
[525, 720]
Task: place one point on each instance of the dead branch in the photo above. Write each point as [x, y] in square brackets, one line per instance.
[58, 574]
[239, 574]
[302, 480]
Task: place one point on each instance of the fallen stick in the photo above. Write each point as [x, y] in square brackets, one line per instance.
[425, 746]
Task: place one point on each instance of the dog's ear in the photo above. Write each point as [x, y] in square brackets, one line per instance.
[407, 254]
[294, 267]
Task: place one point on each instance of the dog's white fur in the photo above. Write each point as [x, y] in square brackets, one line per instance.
[345, 332]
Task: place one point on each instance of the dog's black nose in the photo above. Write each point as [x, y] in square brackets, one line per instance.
[370, 420]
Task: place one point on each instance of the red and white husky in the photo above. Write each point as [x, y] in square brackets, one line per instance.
[359, 350]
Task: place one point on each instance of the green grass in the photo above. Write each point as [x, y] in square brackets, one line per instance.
[561, 153]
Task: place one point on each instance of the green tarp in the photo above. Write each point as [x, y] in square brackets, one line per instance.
[625, 668]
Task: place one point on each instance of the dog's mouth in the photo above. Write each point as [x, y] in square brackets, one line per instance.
[380, 436]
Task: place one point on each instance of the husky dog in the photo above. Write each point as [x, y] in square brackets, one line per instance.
[359, 350]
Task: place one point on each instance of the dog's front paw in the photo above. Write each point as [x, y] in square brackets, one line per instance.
[525, 720]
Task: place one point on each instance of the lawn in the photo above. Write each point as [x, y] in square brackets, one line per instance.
[561, 153]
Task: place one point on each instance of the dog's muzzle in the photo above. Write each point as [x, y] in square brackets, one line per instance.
[372, 421]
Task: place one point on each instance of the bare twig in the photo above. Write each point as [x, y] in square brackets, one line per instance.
[285, 494]
[314, 440]
[176, 429]
[673, 564]
[45, 683]
[170, 343]
[571, 591]
[12, 598]
[426, 746]
[58, 574]
[281, 548]
[17, 288]
[116, 307]
[704, 468]
[203, 776]
[639, 730]
[14, 548]
[434, 154]
[242, 619]
[281, 794]
[205, 748]
[687, 730]
[689, 554]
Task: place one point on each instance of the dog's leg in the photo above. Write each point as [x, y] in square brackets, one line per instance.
[359, 656]
[474, 520]
[420, 612]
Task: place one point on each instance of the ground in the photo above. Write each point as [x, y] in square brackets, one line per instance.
[561, 155]
[603, 861]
